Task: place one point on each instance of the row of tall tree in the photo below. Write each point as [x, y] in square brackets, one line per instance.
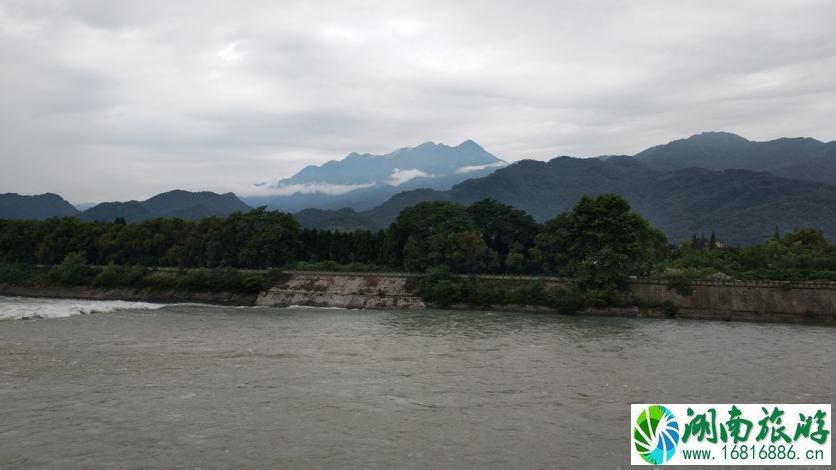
[254, 239]
[600, 241]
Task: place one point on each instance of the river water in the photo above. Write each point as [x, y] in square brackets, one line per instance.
[216, 387]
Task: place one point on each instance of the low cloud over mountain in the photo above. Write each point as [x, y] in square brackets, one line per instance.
[711, 181]
[365, 180]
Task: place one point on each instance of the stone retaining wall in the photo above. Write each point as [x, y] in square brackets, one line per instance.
[768, 301]
[772, 301]
[345, 291]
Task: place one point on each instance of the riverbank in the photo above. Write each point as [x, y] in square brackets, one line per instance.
[128, 294]
[751, 301]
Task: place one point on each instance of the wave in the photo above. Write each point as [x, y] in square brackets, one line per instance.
[316, 308]
[24, 308]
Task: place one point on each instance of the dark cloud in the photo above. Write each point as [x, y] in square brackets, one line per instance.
[114, 100]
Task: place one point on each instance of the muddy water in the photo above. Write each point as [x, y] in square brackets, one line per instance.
[215, 387]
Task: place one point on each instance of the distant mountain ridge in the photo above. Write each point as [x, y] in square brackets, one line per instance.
[38, 207]
[429, 158]
[742, 206]
[800, 158]
[711, 181]
[362, 181]
[177, 203]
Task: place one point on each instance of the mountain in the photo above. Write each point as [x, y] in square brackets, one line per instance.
[800, 158]
[742, 206]
[42, 206]
[83, 206]
[359, 198]
[376, 218]
[177, 203]
[362, 181]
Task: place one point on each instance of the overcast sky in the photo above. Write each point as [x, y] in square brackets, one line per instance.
[112, 100]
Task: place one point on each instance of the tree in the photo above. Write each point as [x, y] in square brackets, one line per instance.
[552, 245]
[806, 237]
[438, 233]
[600, 243]
[504, 229]
[259, 239]
[515, 262]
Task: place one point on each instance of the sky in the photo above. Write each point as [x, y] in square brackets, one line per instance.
[114, 100]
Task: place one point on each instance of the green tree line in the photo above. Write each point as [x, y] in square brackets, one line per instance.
[600, 243]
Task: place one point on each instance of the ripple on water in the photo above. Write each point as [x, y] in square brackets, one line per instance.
[192, 385]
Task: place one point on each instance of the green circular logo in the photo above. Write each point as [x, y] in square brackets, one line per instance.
[656, 434]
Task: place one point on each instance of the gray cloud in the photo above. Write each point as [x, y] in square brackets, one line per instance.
[114, 100]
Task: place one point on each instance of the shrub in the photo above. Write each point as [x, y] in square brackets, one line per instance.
[120, 276]
[228, 280]
[250, 283]
[529, 293]
[15, 273]
[333, 266]
[669, 308]
[603, 297]
[73, 271]
[209, 279]
[162, 280]
[440, 287]
[446, 292]
[567, 302]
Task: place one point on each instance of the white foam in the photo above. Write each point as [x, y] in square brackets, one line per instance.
[14, 308]
[316, 308]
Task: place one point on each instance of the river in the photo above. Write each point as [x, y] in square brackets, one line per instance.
[215, 387]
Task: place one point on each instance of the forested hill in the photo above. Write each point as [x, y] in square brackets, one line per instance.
[741, 206]
[177, 203]
[42, 206]
[377, 218]
[800, 158]
[797, 158]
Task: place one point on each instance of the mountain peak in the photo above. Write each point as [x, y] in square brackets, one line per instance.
[799, 158]
[469, 143]
[176, 203]
[362, 181]
[41, 206]
[717, 137]
[428, 160]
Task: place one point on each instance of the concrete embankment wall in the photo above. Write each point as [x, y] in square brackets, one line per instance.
[711, 300]
[346, 291]
[714, 300]
[803, 302]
